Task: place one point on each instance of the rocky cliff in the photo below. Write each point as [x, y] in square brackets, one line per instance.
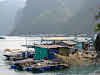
[48, 16]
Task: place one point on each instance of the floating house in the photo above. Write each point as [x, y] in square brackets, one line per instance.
[68, 47]
[46, 51]
[81, 43]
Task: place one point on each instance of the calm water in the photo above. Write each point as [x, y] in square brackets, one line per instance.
[4, 68]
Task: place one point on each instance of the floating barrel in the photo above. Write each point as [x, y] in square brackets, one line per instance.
[41, 70]
[28, 54]
[14, 59]
[23, 54]
[12, 67]
[29, 68]
[47, 68]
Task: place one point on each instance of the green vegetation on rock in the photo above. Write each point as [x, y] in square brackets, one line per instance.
[97, 26]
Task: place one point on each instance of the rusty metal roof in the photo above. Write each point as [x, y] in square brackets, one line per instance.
[49, 46]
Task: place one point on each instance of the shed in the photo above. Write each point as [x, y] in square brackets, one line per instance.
[46, 51]
[81, 42]
[40, 53]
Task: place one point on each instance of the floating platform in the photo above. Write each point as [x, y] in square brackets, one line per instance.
[38, 66]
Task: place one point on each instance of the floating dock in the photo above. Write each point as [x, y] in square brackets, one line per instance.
[37, 66]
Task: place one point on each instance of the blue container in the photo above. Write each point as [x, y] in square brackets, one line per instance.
[51, 53]
[29, 68]
[47, 68]
[28, 54]
[23, 54]
[51, 56]
[41, 70]
[14, 59]
[12, 67]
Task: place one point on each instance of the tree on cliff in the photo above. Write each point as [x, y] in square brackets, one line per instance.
[97, 26]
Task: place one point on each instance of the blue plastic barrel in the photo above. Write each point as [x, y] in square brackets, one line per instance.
[29, 68]
[23, 54]
[28, 54]
[12, 67]
[14, 59]
[47, 68]
[51, 56]
[41, 70]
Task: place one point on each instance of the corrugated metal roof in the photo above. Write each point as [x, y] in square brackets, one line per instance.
[70, 42]
[49, 46]
[58, 38]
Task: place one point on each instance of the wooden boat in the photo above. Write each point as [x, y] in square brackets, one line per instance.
[77, 58]
[18, 55]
